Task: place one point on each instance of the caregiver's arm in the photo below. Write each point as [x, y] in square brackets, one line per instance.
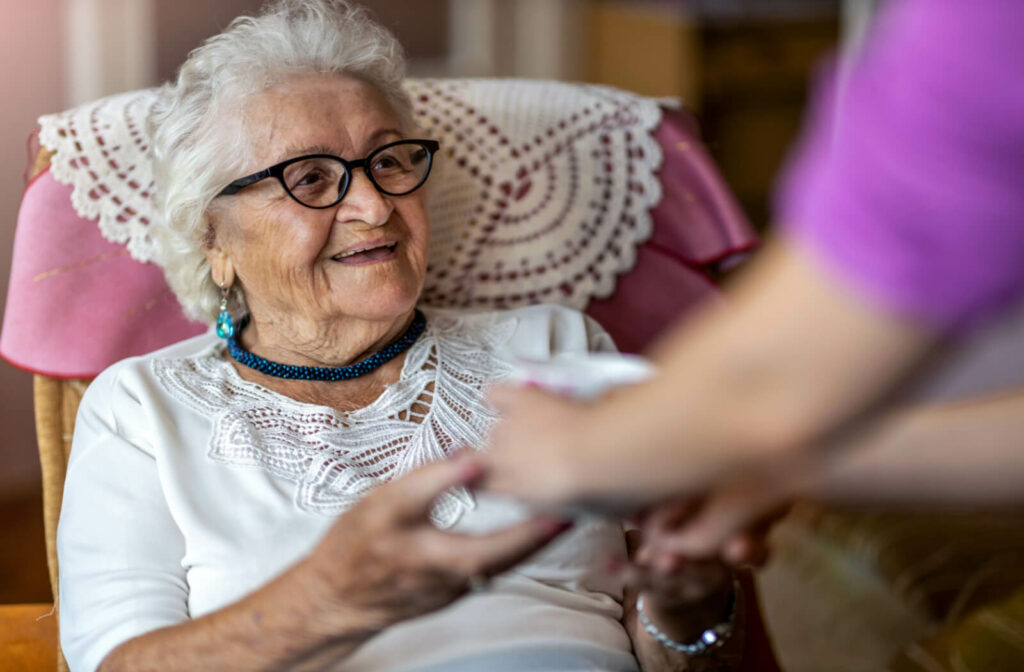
[794, 357]
[904, 199]
[958, 453]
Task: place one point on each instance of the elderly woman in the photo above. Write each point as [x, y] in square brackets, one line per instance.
[235, 503]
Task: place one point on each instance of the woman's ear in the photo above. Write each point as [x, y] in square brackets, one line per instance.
[221, 269]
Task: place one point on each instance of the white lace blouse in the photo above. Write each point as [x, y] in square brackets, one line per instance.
[189, 487]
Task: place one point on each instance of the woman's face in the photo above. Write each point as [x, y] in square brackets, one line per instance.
[296, 264]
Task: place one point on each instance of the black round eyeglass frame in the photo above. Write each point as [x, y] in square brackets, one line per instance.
[277, 170]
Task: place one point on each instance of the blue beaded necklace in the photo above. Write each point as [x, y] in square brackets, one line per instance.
[332, 373]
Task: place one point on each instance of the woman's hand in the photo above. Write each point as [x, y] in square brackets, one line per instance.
[381, 562]
[688, 584]
[682, 601]
[731, 525]
[384, 562]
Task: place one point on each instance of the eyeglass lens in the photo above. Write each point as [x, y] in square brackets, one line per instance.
[322, 181]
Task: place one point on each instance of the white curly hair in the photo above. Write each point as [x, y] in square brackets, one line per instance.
[194, 156]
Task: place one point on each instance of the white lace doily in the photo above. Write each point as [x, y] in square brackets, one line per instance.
[542, 194]
[102, 152]
[336, 458]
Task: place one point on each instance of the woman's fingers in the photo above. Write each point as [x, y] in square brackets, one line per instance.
[685, 583]
[536, 426]
[510, 398]
[493, 553]
[750, 547]
[412, 496]
[746, 549]
[671, 515]
[743, 510]
[406, 502]
[663, 519]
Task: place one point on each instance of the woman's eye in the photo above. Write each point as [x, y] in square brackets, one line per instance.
[385, 163]
[309, 179]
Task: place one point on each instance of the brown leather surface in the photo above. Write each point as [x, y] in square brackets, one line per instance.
[28, 638]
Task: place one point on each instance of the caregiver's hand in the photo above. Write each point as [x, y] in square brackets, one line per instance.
[558, 452]
[386, 562]
[731, 525]
[539, 452]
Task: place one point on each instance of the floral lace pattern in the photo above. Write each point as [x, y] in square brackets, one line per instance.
[336, 458]
[541, 195]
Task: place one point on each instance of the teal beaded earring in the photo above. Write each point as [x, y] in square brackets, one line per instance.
[225, 327]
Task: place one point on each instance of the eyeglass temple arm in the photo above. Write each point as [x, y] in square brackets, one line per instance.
[243, 182]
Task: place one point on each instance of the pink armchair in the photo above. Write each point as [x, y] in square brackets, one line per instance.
[601, 200]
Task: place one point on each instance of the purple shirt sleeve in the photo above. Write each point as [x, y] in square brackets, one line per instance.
[909, 182]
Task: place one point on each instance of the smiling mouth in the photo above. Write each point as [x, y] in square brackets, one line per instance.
[366, 255]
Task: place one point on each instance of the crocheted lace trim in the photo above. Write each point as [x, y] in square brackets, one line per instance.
[102, 152]
[542, 195]
[336, 458]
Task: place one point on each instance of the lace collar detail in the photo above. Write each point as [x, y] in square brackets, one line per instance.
[336, 458]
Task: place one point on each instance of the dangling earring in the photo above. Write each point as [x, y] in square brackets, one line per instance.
[225, 327]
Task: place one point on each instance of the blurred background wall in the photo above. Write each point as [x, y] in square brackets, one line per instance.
[33, 81]
[741, 65]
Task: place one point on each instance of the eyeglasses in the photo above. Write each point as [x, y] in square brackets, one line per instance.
[322, 180]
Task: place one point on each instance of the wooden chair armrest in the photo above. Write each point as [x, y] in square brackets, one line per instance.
[28, 637]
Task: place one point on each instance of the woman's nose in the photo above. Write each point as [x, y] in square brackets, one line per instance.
[363, 203]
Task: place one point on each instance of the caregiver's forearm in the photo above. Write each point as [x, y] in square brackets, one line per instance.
[966, 453]
[792, 357]
[282, 626]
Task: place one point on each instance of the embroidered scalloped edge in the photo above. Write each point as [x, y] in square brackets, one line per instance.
[649, 112]
[104, 210]
[649, 115]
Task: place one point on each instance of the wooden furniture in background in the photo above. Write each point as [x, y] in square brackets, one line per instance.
[28, 638]
[744, 73]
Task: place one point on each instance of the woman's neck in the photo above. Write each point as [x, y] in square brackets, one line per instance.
[329, 344]
[345, 343]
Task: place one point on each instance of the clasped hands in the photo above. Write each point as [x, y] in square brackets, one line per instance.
[546, 452]
[386, 562]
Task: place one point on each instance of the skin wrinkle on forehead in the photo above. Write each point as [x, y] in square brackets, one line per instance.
[262, 133]
[376, 140]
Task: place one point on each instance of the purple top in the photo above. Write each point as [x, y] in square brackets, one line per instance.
[909, 181]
